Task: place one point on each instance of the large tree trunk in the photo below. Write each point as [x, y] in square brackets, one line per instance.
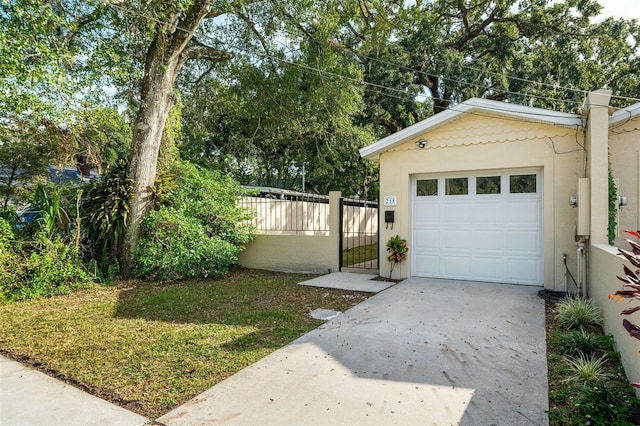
[166, 55]
[157, 101]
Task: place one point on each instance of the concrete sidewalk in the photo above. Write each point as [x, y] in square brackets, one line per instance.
[30, 397]
[421, 352]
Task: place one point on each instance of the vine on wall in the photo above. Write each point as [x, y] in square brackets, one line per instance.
[613, 197]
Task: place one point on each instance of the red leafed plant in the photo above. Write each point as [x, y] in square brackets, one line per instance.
[631, 281]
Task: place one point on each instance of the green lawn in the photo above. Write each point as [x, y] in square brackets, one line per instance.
[150, 347]
[359, 254]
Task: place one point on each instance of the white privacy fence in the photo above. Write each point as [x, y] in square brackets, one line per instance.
[308, 232]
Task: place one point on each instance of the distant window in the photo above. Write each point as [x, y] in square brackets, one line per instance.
[522, 184]
[457, 186]
[427, 188]
[488, 185]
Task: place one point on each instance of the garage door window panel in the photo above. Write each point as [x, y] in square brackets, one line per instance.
[457, 186]
[522, 184]
[486, 185]
[427, 188]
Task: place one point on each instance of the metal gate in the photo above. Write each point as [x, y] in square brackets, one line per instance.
[359, 239]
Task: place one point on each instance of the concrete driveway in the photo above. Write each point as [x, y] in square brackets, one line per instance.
[422, 352]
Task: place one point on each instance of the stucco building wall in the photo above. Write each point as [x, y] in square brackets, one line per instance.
[481, 142]
[624, 156]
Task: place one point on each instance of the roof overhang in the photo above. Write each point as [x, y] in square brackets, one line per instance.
[621, 116]
[474, 105]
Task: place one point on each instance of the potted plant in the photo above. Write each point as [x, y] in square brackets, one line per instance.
[397, 248]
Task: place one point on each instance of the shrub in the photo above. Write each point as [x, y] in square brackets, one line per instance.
[177, 246]
[577, 312]
[9, 214]
[8, 259]
[587, 369]
[198, 228]
[6, 233]
[606, 403]
[581, 341]
[52, 219]
[53, 267]
[210, 197]
[105, 210]
[397, 248]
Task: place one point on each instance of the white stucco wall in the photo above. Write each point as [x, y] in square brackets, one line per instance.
[298, 253]
[481, 142]
[624, 151]
[292, 253]
[604, 266]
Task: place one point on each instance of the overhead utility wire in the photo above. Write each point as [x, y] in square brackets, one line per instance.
[547, 98]
[503, 75]
[382, 87]
[375, 85]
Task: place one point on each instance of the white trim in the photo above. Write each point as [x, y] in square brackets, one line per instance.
[504, 109]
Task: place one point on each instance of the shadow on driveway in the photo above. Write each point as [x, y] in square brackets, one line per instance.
[425, 351]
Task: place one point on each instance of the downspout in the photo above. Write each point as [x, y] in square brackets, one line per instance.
[582, 269]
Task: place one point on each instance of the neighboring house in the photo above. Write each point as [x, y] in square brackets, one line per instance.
[70, 175]
[484, 191]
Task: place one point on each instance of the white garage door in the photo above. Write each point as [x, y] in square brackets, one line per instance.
[478, 227]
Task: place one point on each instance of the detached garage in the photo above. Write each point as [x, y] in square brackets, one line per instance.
[481, 191]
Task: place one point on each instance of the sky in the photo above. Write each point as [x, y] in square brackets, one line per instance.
[617, 8]
[621, 8]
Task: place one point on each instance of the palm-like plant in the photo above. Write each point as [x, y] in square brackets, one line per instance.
[397, 248]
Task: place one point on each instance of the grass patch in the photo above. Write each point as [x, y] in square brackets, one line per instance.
[359, 254]
[150, 347]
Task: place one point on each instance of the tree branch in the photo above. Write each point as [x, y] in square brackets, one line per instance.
[263, 42]
[473, 31]
[198, 50]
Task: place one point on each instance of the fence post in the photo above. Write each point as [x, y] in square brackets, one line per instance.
[335, 218]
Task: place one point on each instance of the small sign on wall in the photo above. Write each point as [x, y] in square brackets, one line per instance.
[390, 200]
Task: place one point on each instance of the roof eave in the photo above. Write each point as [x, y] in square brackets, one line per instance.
[373, 151]
[623, 115]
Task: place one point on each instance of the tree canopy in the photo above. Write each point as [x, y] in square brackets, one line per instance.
[270, 85]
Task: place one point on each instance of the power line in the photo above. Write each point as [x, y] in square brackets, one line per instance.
[504, 75]
[383, 87]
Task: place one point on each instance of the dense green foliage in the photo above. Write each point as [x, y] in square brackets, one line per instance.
[42, 257]
[26, 148]
[104, 218]
[197, 230]
[51, 266]
[177, 246]
[612, 226]
[587, 381]
[576, 312]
